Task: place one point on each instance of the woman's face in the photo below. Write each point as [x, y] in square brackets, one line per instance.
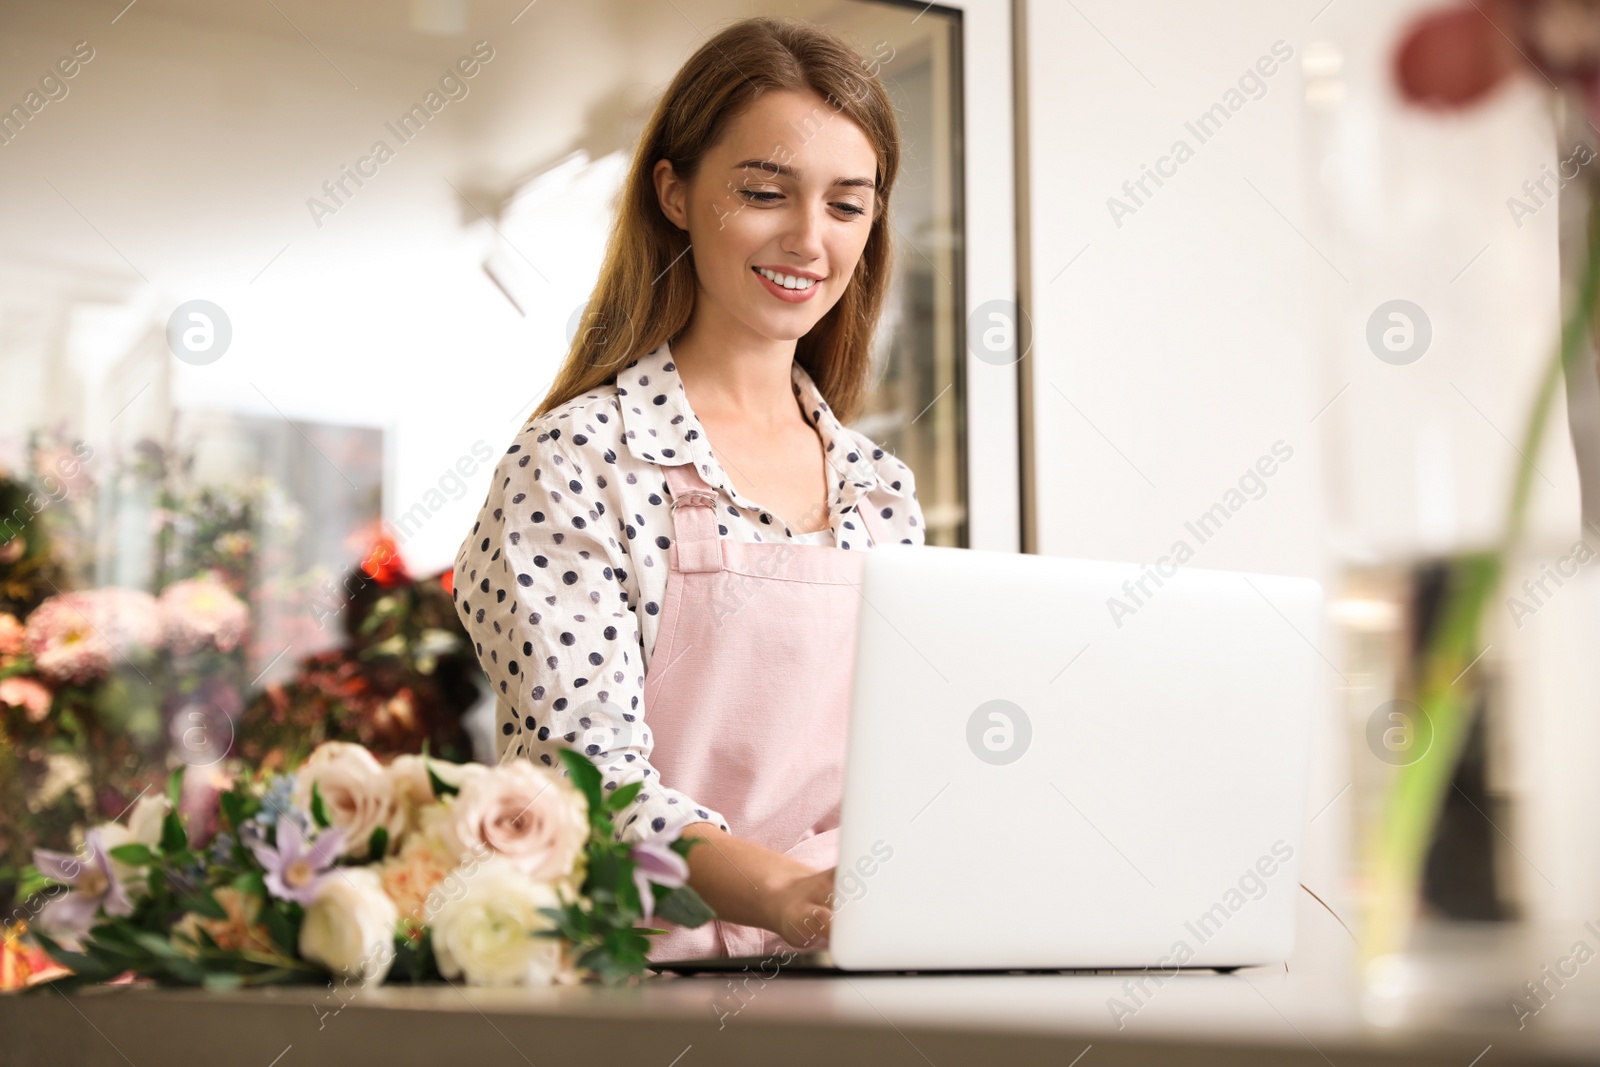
[789, 188]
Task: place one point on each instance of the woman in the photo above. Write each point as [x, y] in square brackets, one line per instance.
[658, 576]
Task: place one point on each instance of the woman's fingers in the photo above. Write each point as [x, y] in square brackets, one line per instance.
[813, 912]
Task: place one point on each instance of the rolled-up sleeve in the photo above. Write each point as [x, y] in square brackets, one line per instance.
[542, 585]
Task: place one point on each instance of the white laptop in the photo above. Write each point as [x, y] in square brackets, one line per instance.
[1068, 764]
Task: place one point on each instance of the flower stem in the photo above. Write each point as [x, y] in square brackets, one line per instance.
[1418, 790]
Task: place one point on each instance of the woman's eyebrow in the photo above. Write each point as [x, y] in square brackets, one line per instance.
[774, 168]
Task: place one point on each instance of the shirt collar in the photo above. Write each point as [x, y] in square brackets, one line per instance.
[660, 427]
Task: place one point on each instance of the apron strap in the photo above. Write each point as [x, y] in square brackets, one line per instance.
[694, 519]
[695, 542]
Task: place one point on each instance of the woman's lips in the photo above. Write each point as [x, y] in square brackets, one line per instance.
[792, 296]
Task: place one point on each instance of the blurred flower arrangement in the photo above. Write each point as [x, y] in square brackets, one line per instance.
[403, 678]
[1449, 59]
[105, 688]
[344, 868]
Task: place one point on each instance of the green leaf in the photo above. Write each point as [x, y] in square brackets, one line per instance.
[103, 940]
[606, 873]
[217, 982]
[175, 788]
[319, 810]
[203, 903]
[83, 965]
[232, 809]
[251, 882]
[173, 835]
[185, 970]
[134, 854]
[31, 882]
[586, 776]
[156, 945]
[441, 788]
[685, 907]
[622, 796]
[282, 931]
[378, 843]
[413, 961]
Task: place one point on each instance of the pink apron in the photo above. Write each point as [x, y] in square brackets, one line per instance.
[748, 694]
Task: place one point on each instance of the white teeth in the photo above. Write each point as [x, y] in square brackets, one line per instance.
[788, 281]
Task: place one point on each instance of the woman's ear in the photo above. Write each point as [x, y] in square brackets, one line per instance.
[671, 193]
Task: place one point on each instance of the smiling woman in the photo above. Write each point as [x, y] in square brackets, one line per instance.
[694, 498]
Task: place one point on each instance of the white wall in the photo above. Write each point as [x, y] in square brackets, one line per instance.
[1174, 344]
[1174, 351]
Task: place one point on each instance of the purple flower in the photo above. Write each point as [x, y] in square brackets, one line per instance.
[298, 866]
[654, 861]
[94, 886]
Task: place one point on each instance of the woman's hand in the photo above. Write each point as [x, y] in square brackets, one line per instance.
[801, 912]
[750, 885]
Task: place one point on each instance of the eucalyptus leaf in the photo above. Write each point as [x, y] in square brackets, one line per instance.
[685, 907]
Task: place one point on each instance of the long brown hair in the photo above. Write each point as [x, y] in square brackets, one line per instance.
[646, 288]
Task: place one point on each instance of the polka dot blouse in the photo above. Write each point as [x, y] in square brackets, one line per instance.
[561, 581]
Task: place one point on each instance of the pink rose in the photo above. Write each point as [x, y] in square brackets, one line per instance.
[80, 637]
[357, 792]
[203, 613]
[13, 635]
[27, 694]
[537, 821]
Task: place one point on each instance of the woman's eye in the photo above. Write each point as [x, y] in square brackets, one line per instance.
[761, 196]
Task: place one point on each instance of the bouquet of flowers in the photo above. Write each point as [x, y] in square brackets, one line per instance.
[351, 869]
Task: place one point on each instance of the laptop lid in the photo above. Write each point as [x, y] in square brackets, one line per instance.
[1068, 763]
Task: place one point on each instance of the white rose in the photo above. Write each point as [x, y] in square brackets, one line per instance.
[143, 828]
[488, 932]
[146, 819]
[357, 791]
[535, 820]
[410, 774]
[350, 927]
